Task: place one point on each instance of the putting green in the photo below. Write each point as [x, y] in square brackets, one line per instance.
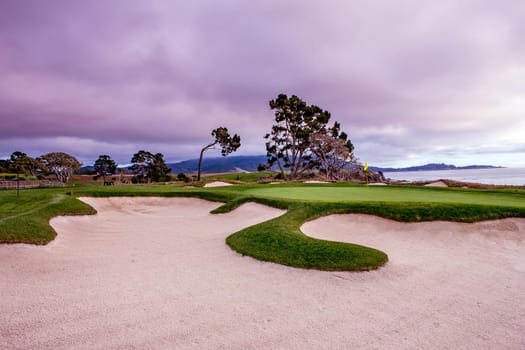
[328, 193]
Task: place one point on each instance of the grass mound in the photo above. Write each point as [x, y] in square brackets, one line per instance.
[25, 219]
[281, 241]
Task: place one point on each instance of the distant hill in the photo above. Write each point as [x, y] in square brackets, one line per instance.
[209, 165]
[250, 163]
[86, 170]
[219, 165]
[433, 166]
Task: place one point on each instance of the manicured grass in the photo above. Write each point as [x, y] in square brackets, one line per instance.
[281, 241]
[25, 219]
[338, 193]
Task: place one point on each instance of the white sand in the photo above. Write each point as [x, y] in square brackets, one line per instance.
[377, 184]
[446, 286]
[315, 182]
[217, 184]
[150, 273]
[437, 184]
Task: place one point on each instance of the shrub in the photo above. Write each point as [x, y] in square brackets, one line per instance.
[183, 177]
[165, 178]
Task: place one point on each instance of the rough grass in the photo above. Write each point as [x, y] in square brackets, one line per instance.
[26, 218]
[252, 177]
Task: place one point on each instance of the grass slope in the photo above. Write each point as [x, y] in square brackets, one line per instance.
[281, 241]
[26, 219]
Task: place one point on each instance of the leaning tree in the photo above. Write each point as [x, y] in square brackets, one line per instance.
[61, 164]
[221, 137]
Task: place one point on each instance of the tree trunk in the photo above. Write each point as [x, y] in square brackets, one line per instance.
[200, 159]
[200, 163]
[280, 168]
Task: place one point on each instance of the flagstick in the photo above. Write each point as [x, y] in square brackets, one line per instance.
[365, 168]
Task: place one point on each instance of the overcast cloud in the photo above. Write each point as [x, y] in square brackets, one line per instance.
[410, 81]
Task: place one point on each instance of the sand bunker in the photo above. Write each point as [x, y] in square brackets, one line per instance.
[156, 273]
[217, 184]
[315, 182]
[446, 285]
[437, 184]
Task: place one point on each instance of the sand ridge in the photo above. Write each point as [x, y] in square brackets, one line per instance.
[437, 184]
[217, 184]
[156, 273]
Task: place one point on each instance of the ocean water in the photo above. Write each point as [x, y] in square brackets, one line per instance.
[493, 176]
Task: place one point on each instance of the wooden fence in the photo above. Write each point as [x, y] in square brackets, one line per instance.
[10, 185]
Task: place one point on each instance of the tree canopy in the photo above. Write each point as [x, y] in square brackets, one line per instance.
[149, 167]
[289, 143]
[20, 162]
[331, 153]
[105, 166]
[222, 138]
[61, 164]
[5, 165]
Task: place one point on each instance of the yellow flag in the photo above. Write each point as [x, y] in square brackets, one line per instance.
[365, 167]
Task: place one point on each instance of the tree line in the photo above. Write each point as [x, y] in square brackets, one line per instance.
[146, 166]
[300, 141]
[60, 164]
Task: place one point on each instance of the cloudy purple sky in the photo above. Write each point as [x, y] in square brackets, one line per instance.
[410, 81]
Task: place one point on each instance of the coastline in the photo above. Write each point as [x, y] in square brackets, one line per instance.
[477, 178]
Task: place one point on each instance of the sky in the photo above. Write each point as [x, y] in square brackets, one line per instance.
[411, 82]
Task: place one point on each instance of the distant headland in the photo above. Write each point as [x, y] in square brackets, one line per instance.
[434, 166]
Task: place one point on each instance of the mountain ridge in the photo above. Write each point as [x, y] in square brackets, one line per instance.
[250, 163]
[219, 164]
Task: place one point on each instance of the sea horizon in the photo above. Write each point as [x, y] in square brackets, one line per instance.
[490, 176]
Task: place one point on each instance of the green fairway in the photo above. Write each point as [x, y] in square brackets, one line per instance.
[338, 193]
[26, 218]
